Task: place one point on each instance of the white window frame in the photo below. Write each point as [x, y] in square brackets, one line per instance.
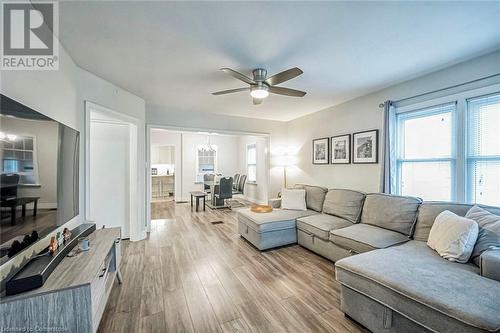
[461, 188]
[249, 146]
[401, 117]
[199, 175]
[36, 175]
[473, 158]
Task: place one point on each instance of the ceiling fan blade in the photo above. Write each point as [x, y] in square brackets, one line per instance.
[286, 91]
[230, 91]
[257, 101]
[284, 76]
[238, 75]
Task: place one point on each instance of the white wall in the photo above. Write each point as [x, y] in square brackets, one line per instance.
[363, 113]
[60, 95]
[257, 192]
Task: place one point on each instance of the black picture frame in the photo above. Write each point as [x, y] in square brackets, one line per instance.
[348, 149]
[327, 151]
[355, 158]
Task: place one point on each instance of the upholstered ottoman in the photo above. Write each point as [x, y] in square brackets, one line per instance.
[268, 230]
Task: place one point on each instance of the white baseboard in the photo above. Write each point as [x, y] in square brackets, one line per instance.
[47, 205]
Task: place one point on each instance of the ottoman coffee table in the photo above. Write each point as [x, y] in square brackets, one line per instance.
[272, 229]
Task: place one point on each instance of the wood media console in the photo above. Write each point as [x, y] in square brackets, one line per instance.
[74, 296]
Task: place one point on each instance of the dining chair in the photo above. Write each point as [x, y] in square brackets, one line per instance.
[225, 189]
[241, 185]
[236, 180]
[208, 177]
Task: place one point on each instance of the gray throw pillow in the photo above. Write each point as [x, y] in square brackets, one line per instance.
[489, 231]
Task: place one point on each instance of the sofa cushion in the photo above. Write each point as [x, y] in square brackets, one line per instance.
[415, 281]
[428, 211]
[453, 236]
[293, 199]
[364, 237]
[489, 264]
[489, 231]
[346, 204]
[315, 196]
[392, 212]
[278, 219]
[321, 224]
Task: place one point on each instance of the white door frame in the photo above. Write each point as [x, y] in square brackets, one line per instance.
[134, 210]
[150, 127]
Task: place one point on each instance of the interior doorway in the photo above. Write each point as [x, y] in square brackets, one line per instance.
[190, 155]
[111, 169]
[162, 173]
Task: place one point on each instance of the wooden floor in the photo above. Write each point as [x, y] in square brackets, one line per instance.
[194, 276]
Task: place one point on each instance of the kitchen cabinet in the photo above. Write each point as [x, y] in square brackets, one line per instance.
[162, 155]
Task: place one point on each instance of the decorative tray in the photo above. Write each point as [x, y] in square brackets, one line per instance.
[261, 208]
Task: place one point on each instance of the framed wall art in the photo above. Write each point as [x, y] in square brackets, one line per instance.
[341, 149]
[321, 151]
[365, 147]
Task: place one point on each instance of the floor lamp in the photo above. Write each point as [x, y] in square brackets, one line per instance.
[285, 163]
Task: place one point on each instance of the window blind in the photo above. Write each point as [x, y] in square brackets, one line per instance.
[483, 151]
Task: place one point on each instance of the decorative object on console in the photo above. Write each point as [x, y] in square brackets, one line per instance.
[365, 147]
[67, 234]
[84, 244]
[341, 149]
[53, 244]
[321, 151]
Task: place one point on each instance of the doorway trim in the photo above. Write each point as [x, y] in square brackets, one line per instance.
[135, 218]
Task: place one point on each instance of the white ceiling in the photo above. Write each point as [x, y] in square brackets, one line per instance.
[169, 53]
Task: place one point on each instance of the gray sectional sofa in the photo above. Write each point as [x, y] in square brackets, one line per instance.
[391, 281]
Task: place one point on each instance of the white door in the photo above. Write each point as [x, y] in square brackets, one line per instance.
[110, 175]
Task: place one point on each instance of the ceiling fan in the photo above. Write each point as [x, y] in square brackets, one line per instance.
[261, 85]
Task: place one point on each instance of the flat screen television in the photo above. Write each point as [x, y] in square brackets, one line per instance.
[39, 176]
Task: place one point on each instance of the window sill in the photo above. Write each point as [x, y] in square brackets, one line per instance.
[252, 183]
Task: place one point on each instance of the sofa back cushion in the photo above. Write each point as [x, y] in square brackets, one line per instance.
[315, 196]
[428, 211]
[346, 204]
[392, 212]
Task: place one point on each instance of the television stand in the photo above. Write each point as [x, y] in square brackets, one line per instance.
[74, 296]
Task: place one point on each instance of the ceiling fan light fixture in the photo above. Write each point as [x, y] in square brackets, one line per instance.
[259, 92]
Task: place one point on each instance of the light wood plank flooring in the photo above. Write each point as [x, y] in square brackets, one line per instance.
[194, 276]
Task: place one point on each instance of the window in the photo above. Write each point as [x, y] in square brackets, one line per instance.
[425, 153]
[252, 162]
[206, 161]
[18, 157]
[483, 150]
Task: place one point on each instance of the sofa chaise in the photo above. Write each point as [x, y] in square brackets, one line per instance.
[391, 281]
